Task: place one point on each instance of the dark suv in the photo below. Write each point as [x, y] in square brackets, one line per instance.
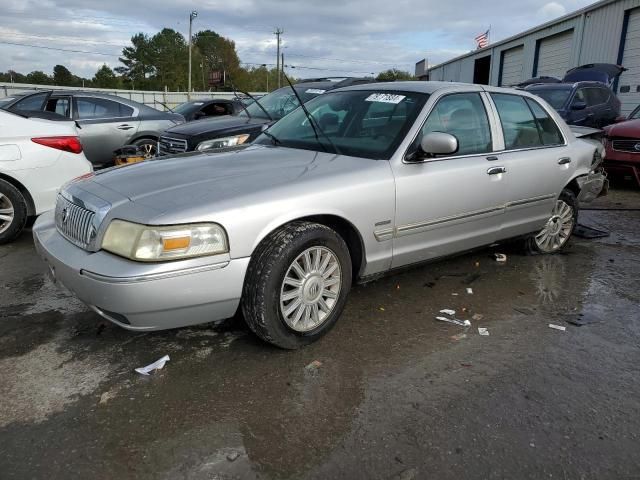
[245, 127]
[584, 96]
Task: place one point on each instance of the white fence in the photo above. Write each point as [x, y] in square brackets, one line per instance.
[154, 99]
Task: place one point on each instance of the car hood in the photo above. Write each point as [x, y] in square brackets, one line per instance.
[212, 125]
[629, 129]
[196, 181]
[596, 72]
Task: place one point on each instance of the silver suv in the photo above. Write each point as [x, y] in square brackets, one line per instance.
[365, 180]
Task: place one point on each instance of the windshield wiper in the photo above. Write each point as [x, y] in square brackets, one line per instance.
[235, 92]
[257, 103]
[312, 121]
[273, 138]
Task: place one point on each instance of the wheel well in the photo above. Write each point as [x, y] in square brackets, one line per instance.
[574, 187]
[31, 207]
[349, 234]
[144, 137]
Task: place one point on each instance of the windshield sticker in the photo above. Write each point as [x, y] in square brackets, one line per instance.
[314, 91]
[385, 98]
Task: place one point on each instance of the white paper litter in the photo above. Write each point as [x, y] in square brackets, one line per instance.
[448, 311]
[483, 331]
[455, 321]
[557, 327]
[500, 257]
[157, 365]
[470, 291]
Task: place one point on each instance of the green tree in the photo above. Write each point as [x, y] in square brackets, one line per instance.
[62, 76]
[137, 61]
[39, 78]
[219, 54]
[393, 75]
[105, 78]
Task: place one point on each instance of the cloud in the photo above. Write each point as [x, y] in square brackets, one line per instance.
[321, 38]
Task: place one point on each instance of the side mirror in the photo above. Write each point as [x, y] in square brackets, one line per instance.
[439, 143]
[578, 105]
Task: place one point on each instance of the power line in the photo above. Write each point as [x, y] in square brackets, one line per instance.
[59, 49]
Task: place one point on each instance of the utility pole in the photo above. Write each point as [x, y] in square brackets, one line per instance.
[277, 33]
[282, 65]
[192, 15]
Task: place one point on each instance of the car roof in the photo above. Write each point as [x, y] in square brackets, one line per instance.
[105, 96]
[565, 86]
[417, 86]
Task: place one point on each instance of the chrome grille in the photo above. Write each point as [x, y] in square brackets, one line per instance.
[74, 222]
[169, 145]
[626, 145]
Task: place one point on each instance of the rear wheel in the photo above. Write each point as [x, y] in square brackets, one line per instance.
[13, 212]
[297, 284]
[559, 228]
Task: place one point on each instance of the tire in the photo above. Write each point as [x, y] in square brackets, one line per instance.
[13, 212]
[149, 145]
[269, 290]
[562, 222]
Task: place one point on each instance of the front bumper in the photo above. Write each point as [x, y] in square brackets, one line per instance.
[592, 186]
[148, 297]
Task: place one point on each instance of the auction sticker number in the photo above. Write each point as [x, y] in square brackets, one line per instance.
[385, 98]
[315, 91]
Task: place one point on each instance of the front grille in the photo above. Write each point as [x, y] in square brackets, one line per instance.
[168, 145]
[626, 145]
[74, 222]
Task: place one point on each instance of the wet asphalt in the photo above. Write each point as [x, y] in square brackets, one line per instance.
[393, 393]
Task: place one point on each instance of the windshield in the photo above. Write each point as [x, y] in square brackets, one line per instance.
[187, 107]
[635, 114]
[365, 124]
[556, 97]
[281, 102]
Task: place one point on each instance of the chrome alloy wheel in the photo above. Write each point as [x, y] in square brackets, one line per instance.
[6, 213]
[310, 289]
[558, 228]
[149, 150]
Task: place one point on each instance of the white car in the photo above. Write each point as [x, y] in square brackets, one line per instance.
[37, 157]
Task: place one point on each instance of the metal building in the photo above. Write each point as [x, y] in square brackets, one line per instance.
[607, 31]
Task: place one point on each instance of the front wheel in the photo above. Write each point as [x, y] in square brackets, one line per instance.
[13, 212]
[149, 147]
[559, 228]
[297, 284]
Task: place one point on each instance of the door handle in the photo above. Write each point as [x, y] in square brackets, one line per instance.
[564, 160]
[124, 127]
[492, 158]
[496, 170]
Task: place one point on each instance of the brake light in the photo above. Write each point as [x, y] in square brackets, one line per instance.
[67, 144]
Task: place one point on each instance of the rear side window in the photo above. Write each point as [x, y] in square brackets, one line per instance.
[548, 128]
[462, 115]
[518, 123]
[60, 105]
[89, 108]
[31, 103]
[594, 96]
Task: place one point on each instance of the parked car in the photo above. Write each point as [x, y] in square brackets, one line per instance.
[105, 122]
[622, 143]
[584, 96]
[7, 100]
[384, 176]
[37, 157]
[248, 124]
[217, 107]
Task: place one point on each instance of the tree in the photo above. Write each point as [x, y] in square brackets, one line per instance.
[39, 78]
[219, 54]
[62, 76]
[137, 61]
[105, 78]
[393, 75]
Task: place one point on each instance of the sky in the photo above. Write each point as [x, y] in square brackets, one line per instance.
[321, 38]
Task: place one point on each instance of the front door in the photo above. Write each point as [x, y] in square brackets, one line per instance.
[452, 203]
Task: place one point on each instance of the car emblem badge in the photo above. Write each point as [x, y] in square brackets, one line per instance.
[636, 147]
[65, 215]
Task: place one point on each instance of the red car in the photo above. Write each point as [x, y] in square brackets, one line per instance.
[622, 143]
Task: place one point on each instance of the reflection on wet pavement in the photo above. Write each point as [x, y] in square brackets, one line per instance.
[394, 394]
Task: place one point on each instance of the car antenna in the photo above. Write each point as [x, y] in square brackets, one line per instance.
[165, 106]
[312, 121]
[251, 97]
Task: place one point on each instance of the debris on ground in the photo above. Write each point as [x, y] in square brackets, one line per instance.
[313, 366]
[458, 337]
[580, 319]
[430, 284]
[454, 294]
[455, 321]
[466, 364]
[477, 317]
[557, 327]
[471, 278]
[381, 309]
[233, 456]
[470, 291]
[589, 233]
[500, 257]
[477, 264]
[524, 310]
[157, 365]
[448, 311]
[483, 331]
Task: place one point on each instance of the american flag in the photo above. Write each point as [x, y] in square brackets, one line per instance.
[483, 39]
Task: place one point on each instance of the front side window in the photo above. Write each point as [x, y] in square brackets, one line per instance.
[556, 97]
[518, 123]
[359, 123]
[462, 115]
[579, 97]
[89, 108]
[594, 97]
[547, 127]
[60, 105]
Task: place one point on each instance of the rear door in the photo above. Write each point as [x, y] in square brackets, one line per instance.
[535, 155]
[60, 105]
[586, 116]
[452, 203]
[105, 125]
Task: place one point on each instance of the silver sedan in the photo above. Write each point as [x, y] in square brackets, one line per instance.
[366, 180]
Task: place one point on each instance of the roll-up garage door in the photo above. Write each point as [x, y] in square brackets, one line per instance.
[554, 54]
[629, 83]
[512, 61]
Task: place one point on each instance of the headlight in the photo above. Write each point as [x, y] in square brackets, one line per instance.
[223, 142]
[147, 243]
